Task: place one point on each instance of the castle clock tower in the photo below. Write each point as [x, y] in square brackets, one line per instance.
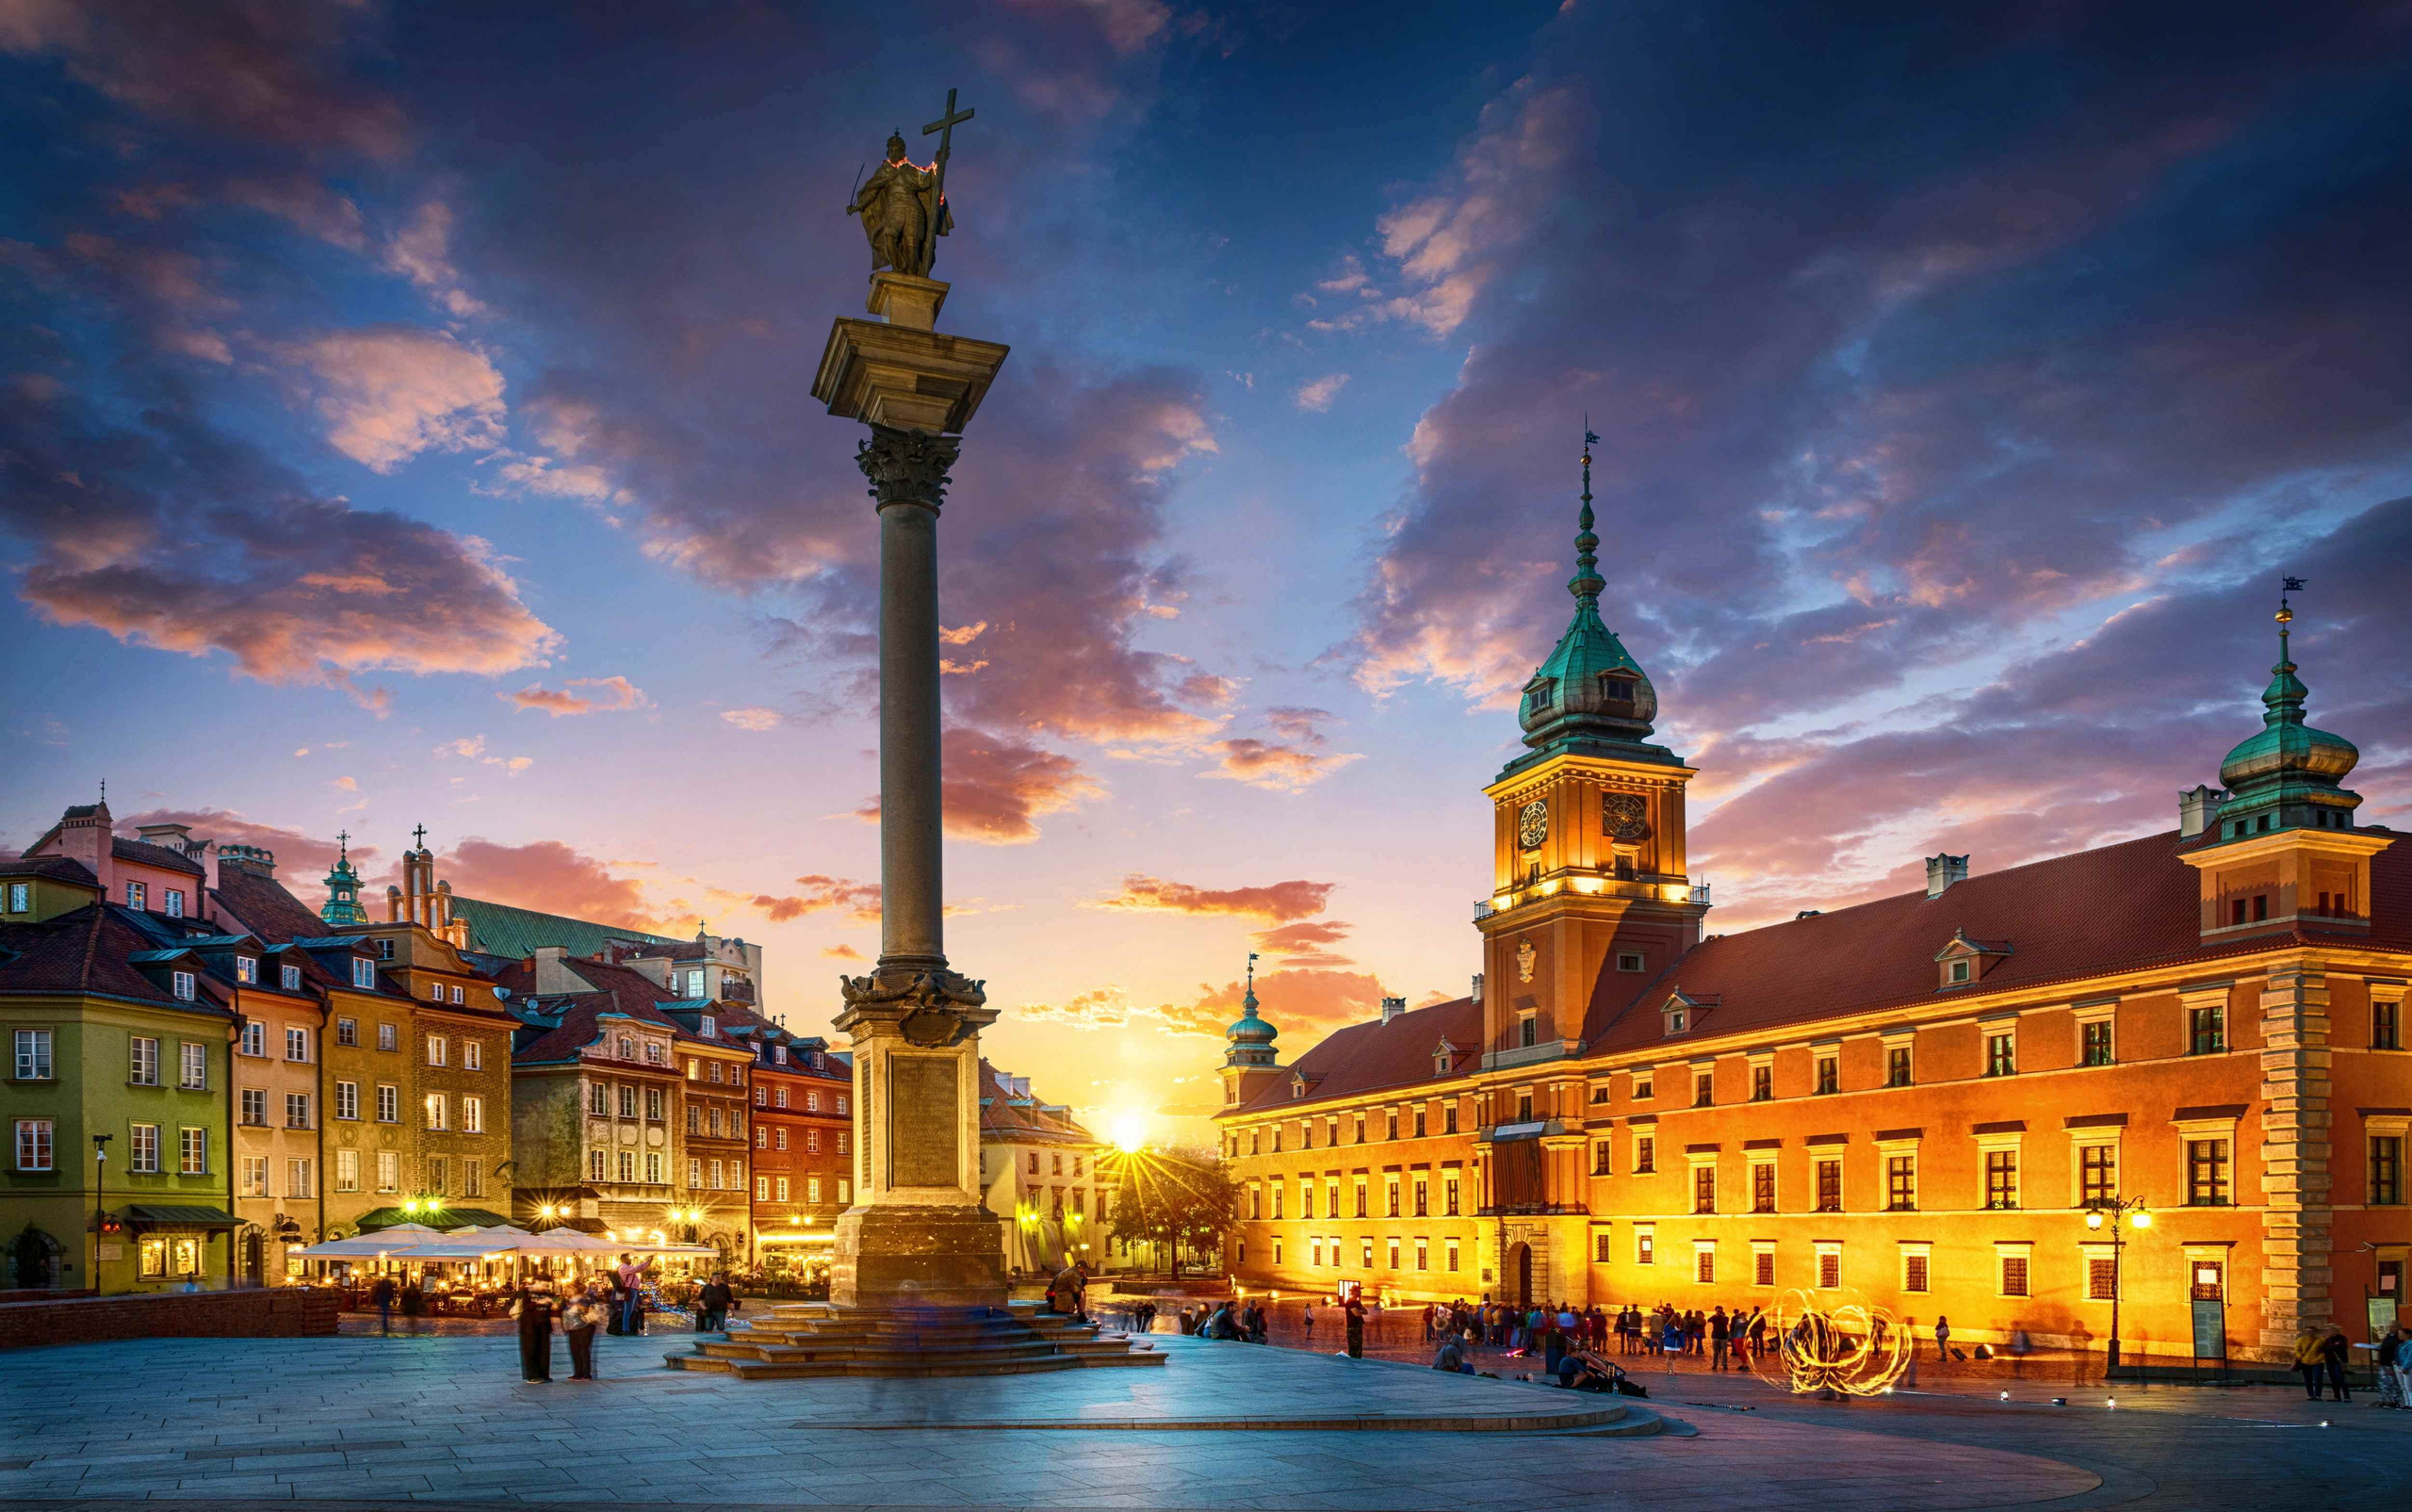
[1589, 895]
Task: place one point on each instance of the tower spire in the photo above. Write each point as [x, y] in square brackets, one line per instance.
[1587, 582]
[2283, 700]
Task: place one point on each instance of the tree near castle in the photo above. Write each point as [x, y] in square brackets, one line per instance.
[1176, 1200]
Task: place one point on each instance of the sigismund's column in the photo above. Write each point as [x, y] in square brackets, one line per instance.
[917, 1234]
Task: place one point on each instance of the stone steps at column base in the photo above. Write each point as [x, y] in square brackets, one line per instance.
[745, 1369]
[816, 1340]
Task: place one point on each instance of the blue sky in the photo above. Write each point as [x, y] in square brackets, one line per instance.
[408, 421]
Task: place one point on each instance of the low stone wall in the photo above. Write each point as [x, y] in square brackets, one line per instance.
[281, 1312]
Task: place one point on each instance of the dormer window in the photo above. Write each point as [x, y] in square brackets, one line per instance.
[1536, 697]
[709, 1025]
[292, 976]
[1297, 1087]
[1677, 1021]
[363, 971]
[247, 968]
[384, 949]
[1617, 687]
[1963, 962]
[183, 987]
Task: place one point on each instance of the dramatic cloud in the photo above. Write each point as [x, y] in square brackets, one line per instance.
[549, 877]
[995, 788]
[389, 393]
[301, 860]
[1866, 448]
[1276, 903]
[1304, 1004]
[751, 718]
[858, 901]
[1306, 944]
[252, 68]
[1294, 762]
[610, 694]
[175, 535]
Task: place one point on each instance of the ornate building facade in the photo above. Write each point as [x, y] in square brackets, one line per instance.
[1933, 1099]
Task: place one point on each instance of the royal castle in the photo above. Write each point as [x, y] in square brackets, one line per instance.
[1955, 1102]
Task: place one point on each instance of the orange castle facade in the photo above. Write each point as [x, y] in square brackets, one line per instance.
[1943, 1101]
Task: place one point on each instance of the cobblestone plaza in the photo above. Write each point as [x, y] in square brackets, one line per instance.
[444, 1420]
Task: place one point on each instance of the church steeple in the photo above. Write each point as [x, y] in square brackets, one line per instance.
[1251, 1038]
[343, 887]
[1589, 694]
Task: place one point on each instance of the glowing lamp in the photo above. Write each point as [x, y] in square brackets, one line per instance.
[2142, 1220]
[2093, 1220]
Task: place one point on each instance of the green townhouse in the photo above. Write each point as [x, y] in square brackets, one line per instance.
[117, 1174]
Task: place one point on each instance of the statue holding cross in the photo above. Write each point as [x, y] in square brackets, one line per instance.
[903, 205]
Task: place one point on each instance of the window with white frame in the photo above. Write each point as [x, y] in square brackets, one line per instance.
[473, 1054]
[254, 1040]
[247, 970]
[34, 1055]
[289, 976]
[363, 971]
[2011, 1265]
[143, 1152]
[439, 1110]
[143, 1060]
[1916, 1266]
[348, 1100]
[347, 1170]
[389, 1103]
[347, 1032]
[183, 985]
[1830, 1265]
[254, 1176]
[296, 1110]
[175, 908]
[34, 1143]
[390, 1170]
[438, 1051]
[137, 895]
[473, 1116]
[21, 898]
[297, 1179]
[297, 1045]
[192, 1151]
[254, 1103]
[389, 1039]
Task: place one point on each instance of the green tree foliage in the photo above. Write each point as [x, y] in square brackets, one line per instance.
[1176, 1200]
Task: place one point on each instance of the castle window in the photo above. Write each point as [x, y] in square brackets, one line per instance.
[2207, 1173]
[1527, 1030]
[2094, 1046]
[1901, 1184]
[1829, 1074]
[1763, 1084]
[2206, 1031]
[1704, 1090]
[1896, 1066]
[1629, 960]
[1959, 972]
[2385, 1035]
[2001, 1054]
[2386, 1170]
[1675, 1020]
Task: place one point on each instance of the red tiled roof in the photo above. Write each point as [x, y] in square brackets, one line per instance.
[1373, 1056]
[62, 868]
[263, 906]
[616, 989]
[2121, 907]
[153, 855]
[85, 950]
[1004, 1118]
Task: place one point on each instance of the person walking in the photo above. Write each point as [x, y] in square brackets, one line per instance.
[1354, 1313]
[712, 1304]
[533, 1311]
[1721, 1338]
[1310, 1325]
[413, 1306]
[584, 1314]
[2335, 1353]
[2308, 1360]
[383, 1295]
[632, 1295]
[1942, 1339]
[2390, 1387]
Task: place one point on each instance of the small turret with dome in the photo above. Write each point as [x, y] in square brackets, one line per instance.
[1251, 1038]
[2287, 775]
[1589, 695]
[343, 887]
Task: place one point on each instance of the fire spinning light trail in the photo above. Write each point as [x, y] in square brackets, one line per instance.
[1842, 1343]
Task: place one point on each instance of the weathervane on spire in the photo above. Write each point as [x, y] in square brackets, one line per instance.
[1587, 582]
[2286, 586]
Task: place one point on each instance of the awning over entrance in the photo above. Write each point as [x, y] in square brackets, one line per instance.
[447, 1217]
[155, 1216]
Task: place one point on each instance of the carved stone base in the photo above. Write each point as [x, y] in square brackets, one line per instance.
[896, 1256]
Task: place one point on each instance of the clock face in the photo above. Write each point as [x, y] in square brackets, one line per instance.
[1532, 824]
[1624, 816]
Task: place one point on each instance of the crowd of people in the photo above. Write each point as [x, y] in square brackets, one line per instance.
[1727, 1340]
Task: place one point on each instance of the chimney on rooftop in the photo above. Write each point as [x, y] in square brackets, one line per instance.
[173, 836]
[2197, 807]
[1943, 870]
[1478, 986]
[1393, 1007]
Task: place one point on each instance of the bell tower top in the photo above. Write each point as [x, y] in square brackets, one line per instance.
[1589, 694]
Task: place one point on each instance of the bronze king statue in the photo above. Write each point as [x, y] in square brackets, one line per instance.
[904, 206]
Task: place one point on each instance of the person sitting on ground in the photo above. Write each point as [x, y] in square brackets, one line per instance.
[1451, 1357]
[1581, 1370]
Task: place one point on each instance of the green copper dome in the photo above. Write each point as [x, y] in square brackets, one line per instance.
[1589, 694]
[1250, 1030]
[2286, 745]
[2288, 774]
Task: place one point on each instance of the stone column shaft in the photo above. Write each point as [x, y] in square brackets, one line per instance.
[911, 818]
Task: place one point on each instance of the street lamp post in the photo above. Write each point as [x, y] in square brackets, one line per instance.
[2105, 1213]
[100, 1203]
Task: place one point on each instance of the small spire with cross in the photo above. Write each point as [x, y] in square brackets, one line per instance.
[343, 845]
[419, 835]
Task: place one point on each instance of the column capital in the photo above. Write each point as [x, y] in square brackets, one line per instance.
[907, 466]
